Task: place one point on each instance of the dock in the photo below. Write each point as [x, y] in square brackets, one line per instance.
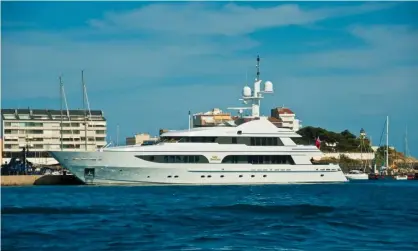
[40, 180]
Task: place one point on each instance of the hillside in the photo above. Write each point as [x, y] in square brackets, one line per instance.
[348, 142]
[344, 141]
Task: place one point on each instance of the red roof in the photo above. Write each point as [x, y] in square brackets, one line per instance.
[284, 110]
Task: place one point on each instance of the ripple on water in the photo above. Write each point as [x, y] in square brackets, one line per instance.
[362, 216]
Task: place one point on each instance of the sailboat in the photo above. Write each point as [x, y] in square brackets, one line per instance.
[385, 165]
[403, 176]
[359, 174]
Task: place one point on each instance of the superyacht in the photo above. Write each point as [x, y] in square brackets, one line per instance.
[254, 152]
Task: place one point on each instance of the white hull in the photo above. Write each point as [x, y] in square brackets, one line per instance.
[362, 176]
[400, 177]
[123, 167]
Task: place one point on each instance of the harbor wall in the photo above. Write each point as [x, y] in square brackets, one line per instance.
[29, 180]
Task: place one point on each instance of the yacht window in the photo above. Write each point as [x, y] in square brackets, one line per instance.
[174, 158]
[257, 141]
[259, 159]
[265, 141]
[234, 140]
[275, 142]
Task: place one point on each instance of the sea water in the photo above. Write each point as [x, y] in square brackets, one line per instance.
[373, 215]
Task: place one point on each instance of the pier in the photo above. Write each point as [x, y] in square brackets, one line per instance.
[30, 180]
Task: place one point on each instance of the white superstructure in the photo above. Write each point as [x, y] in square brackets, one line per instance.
[255, 152]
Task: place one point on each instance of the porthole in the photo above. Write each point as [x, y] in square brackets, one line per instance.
[322, 175]
[169, 176]
[264, 175]
[203, 176]
[176, 176]
[209, 176]
[148, 177]
[252, 176]
[222, 176]
[240, 176]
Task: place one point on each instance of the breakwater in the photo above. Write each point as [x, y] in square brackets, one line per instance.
[29, 180]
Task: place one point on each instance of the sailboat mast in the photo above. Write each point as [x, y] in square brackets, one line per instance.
[84, 108]
[406, 150]
[117, 135]
[61, 86]
[387, 141]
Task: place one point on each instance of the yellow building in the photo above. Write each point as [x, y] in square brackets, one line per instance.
[210, 118]
[139, 139]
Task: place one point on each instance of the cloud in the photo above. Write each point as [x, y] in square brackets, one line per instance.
[230, 19]
[169, 58]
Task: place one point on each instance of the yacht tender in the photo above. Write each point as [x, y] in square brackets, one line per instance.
[254, 152]
[357, 175]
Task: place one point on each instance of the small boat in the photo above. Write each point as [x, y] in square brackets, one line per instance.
[356, 175]
[400, 177]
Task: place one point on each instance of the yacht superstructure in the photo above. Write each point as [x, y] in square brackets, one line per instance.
[255, 152]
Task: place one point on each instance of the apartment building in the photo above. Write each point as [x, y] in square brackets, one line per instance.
[40, 131]
[280, 117]
[286, 118]
[210, 118]
[139, 139]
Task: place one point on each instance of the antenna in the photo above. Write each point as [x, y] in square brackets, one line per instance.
[190, 120]
[255, 95]
[258, 68]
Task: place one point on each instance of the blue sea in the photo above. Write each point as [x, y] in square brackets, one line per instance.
[373, 215]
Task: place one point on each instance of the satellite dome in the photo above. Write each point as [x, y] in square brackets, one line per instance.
[246, 91]
[268, 86]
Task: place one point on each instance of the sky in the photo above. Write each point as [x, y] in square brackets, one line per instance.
[337, 65]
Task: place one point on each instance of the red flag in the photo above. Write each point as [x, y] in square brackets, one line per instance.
[318, 143]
